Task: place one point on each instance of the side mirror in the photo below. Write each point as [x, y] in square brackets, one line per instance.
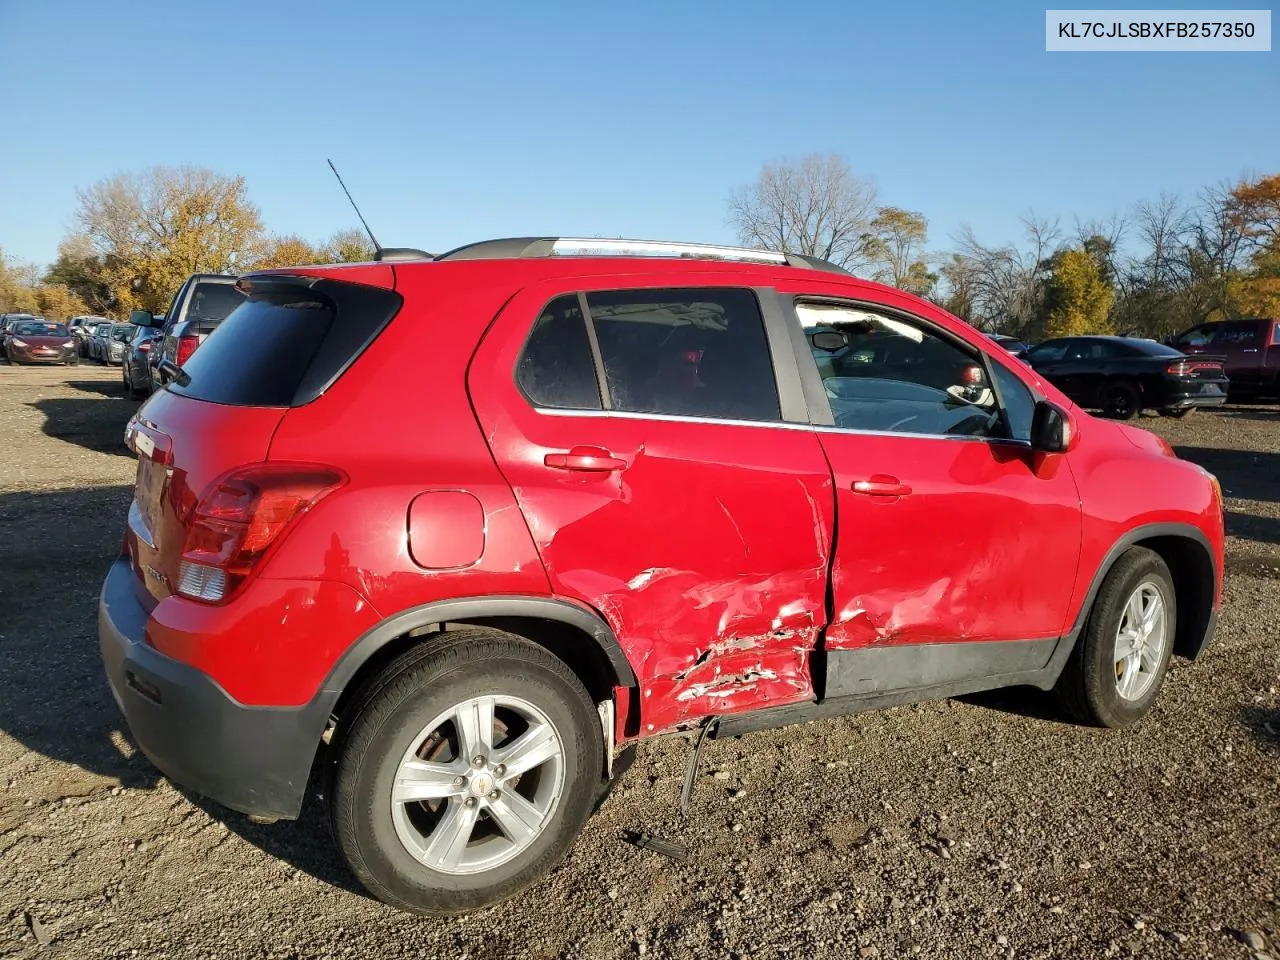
[829, 340]
[143, 318]
[1051, 430]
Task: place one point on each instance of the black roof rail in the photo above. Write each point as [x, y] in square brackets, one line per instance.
[518, 248]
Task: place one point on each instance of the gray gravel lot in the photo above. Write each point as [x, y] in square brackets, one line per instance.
[983, 827]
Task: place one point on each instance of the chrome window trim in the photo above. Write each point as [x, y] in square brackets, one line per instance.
[770, 425]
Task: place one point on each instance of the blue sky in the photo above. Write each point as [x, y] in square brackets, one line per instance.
[453, 122]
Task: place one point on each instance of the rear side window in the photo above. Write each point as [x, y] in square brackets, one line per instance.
[287, 342]
[686, 352]
[556, 369]
[1237, 333]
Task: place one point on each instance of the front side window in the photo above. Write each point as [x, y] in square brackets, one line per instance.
[887, 374]
[1196, 336]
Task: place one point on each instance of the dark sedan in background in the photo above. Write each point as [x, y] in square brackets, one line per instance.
[39, 341]
[136, 369]
[1123, 376]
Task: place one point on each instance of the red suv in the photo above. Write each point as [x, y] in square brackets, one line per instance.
[631, 489]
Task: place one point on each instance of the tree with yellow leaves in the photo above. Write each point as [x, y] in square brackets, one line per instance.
[1077, 298]
[148, 232]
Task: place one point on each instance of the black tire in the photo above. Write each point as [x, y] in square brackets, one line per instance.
[73, 362]
[386, 718]
[1121, 401]
[1087, 687]
[1178, 414]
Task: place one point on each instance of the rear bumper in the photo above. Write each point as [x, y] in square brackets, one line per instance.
[256, 760]
[1186, 393]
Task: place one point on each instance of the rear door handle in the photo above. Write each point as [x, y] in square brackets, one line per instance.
[881, 485]
[586, 459]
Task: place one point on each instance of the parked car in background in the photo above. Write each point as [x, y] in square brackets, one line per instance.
[630, 498]
[1122, 377]
[11, 318]
[81, 328]
[39, 341]
[135, 371]
[1014, 345]
[198, 307]
[117, 342]
[1250, 349]
[97, 345]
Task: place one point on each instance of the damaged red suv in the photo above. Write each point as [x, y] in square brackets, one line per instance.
[632, 488]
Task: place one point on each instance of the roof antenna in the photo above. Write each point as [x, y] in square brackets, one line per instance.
[381, 254]
[376, 245]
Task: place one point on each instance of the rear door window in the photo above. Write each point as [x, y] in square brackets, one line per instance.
[556, 368]
[287, 342]
[698, 352]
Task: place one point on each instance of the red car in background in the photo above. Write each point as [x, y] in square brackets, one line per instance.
[631, 489]
[39, 341]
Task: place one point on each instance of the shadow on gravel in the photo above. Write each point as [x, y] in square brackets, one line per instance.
[1264, 724]
[54, 551]
[93, 424]
[1019, 701]
[1262, 414]
[1247, 474]
[305, 844]
[103, 388]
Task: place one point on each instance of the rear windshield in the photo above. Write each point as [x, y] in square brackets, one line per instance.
[1149, 348]
[213, 301]
[122, 332]
[287, 343]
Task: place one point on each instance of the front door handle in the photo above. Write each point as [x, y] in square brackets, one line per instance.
[881, 485]
[586, 459]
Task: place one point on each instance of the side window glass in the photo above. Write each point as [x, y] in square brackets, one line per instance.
[1019, 403]
[686, 352]
[555, 368]
[886, 374]
[1051, 351]
[1236, 334]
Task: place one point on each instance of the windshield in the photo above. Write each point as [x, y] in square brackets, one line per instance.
[122, 332]
[30, 329]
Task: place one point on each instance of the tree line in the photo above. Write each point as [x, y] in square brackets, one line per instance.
[138, 236]
[1160, 267]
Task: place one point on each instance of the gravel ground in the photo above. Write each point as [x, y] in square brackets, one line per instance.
[982, 827]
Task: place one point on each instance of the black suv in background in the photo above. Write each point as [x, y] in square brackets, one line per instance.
[198, 307]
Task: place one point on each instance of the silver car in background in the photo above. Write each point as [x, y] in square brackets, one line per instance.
[116, 343]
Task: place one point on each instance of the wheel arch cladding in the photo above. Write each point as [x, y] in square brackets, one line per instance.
[577, 636]
[1186, 552]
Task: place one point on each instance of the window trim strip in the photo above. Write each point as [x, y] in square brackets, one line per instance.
[597, 358]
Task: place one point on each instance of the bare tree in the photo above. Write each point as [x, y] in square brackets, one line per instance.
[816, 206]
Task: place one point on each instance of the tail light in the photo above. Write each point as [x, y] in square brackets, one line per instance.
[1184, 368]
[238, 519]
[186, 347]
[145, 346]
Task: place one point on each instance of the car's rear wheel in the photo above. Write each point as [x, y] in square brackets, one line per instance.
[1178, 414]
[466, 772]
[1120, 660]
[1120, 401]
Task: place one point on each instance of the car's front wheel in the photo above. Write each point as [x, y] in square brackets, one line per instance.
[1119, 661]
[467, 770]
